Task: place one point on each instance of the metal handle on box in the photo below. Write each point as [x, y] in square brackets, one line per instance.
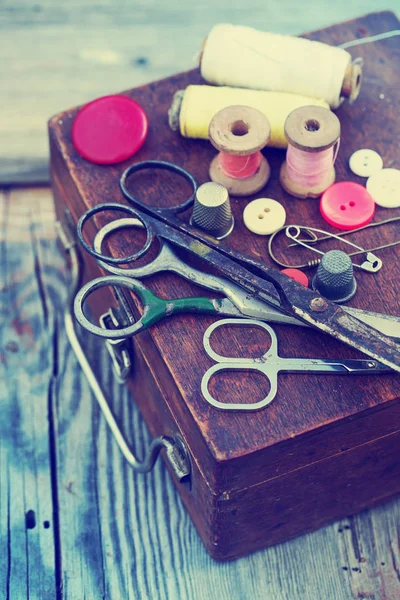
[175, 449]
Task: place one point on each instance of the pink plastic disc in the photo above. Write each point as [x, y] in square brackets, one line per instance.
[347, 205]
[109, 129]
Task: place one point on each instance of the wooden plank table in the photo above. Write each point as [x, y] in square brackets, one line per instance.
[74, 521]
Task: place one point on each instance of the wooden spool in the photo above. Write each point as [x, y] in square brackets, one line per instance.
[311, 129]
[239, 131]
[352, 81]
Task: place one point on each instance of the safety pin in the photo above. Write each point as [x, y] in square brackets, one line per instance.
[371, 264]
[315, 239]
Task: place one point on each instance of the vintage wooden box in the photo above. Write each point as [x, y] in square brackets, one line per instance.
[326, 447]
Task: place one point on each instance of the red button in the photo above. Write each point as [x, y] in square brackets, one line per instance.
[297, 275]
[109, 129]
[347, 205]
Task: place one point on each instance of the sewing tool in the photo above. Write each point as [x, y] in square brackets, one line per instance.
[365, 162]
[244, 57]
[109, 129]
[192, 109]
[384, 187]
[347, 205]
[313, 239]
[235, 302]
[313, 137]
[264, 216]
[212, 210]
[269, 285]
[334, 278]
[239, 133]
[270, 364]
[371, 263]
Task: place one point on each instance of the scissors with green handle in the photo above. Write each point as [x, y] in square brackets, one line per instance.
[235, 303]
[154, 308]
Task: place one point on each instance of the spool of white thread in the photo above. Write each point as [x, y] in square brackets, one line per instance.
[241, 56]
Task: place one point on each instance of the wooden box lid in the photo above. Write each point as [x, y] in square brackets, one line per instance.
[312, 416]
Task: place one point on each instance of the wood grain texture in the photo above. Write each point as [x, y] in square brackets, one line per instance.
[56, 54]
[235, 452]
[26, 366]
[120, 535]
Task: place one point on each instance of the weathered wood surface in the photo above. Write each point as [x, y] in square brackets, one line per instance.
[111, 534]
[57, 54]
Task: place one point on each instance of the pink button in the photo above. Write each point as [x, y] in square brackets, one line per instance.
[109, 129]
[297, 275]
[347, 205]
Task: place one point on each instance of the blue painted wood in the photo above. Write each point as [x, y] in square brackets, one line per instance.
[26, 363]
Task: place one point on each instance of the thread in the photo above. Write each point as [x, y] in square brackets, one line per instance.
[373, 38]
[239, 133]
[309, 169]
[193, 109]
[241, 56]
[239, 167]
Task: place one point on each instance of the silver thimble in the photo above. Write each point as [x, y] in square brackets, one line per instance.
[334, 278]
[212, 210]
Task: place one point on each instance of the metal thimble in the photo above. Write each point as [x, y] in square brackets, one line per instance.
[334, 278]
[212, 210]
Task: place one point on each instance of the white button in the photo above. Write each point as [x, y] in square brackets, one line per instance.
[365, 162]
[384, 187]
[264, 216]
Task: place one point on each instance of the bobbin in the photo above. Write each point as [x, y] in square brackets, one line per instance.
[239, 131]
[352, 76]
[310, 129]
[352, 81]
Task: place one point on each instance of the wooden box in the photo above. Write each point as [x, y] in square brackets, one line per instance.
[326, 447]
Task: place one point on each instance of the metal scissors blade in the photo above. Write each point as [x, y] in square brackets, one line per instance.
[238, 302]
[270, 364]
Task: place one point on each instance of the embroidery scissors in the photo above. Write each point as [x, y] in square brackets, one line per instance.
[262, 282]
[236, 301]
[270, 364]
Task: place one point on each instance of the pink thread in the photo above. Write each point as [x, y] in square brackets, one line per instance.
[310, 169]
[240, 167]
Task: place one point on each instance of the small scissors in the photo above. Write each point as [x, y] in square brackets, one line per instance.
[236, 302]
[270, 364]
[259, 281]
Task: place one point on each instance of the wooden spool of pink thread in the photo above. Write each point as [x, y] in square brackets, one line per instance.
[239, 133]
[313, 135]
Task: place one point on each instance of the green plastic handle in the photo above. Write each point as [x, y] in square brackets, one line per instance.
[156, 309]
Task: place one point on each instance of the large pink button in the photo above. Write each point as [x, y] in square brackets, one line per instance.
[347, 205]
[109, 129]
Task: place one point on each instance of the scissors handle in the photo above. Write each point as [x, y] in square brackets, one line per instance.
[154, 308]
[271, 375]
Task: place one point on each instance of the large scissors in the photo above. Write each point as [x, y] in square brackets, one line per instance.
[236, 302]
[259, 281]
[270, 364]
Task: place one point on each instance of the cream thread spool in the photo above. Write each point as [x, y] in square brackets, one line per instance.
[192, 109]
[239, 133]
[241, 56]
[313, 136]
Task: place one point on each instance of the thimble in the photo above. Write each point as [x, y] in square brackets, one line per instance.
[334, 278]
[212, 210]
